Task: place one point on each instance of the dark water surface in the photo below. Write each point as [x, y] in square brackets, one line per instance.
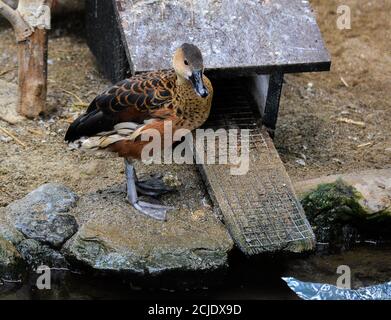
[246, 279]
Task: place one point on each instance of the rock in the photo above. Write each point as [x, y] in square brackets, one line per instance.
[374, 186]
[329, 208]
[7, 231]
[200, 214]
[11, 263]
[172, 180]
[341, 215]
[301, 162]
[42, 214]
[36, 254]
[8, 102]
[118, 238]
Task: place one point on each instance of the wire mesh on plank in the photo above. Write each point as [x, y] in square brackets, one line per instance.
[259, 208]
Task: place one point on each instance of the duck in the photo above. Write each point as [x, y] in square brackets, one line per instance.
[116, 119]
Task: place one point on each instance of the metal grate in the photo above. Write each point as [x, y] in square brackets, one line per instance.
[260, 208]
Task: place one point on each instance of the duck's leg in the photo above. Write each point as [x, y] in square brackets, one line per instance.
[155, 211]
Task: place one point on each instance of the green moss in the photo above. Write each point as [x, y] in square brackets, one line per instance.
[337, 199]
[338, 218]
[342, 200]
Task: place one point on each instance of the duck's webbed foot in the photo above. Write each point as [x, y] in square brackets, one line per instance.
[156, 211]
[152, 210]
[153, 187]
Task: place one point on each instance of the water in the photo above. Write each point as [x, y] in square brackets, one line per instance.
[247, 279]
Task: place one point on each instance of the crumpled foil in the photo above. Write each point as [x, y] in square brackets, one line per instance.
[320, 291]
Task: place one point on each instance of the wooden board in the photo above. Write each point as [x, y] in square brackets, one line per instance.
[260, 209]
[235, 36]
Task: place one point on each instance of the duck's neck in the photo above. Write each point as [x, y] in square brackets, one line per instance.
[182, 81]
[184, 89]
[185, 95]
[190, 107]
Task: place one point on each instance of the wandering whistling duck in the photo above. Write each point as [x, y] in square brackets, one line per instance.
[115, 119]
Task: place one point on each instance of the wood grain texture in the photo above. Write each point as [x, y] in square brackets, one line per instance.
[235, 36]
[32, 57]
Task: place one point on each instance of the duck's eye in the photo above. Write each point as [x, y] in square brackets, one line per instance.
[186, 62]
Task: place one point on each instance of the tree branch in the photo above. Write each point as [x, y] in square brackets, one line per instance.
[21, 28]
[7, 12]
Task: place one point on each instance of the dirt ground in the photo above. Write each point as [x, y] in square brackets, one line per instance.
[311, 140]
[308, 129]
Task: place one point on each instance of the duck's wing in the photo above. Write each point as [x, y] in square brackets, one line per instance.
[136, 100]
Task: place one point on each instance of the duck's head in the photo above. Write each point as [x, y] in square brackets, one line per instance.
[189, 65]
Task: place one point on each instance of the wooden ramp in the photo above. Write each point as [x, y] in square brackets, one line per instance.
[260, 208]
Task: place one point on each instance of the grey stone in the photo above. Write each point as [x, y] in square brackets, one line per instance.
[42, 214]
[7, 231]
[36, 254]
[118, 238]
[251, 35]
[11, 263]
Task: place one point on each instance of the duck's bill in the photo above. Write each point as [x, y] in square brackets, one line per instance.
[198, 84]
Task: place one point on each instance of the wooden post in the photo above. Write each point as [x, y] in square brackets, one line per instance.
[266, 91]
[30, 21]
[32, 74]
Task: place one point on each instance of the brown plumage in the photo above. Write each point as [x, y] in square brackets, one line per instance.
[145, 100]
[116, 119]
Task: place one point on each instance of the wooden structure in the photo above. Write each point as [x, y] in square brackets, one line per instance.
[248, 46]
[31, 22]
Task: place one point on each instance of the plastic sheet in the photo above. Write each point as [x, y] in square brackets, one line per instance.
[319, 291]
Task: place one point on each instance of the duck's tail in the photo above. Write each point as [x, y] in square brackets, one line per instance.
[88, 125]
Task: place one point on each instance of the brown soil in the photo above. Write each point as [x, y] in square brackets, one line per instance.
[308, 126]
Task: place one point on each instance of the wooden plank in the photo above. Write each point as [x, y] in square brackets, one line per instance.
[260, 208]
[236, 37]
[266, 92]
